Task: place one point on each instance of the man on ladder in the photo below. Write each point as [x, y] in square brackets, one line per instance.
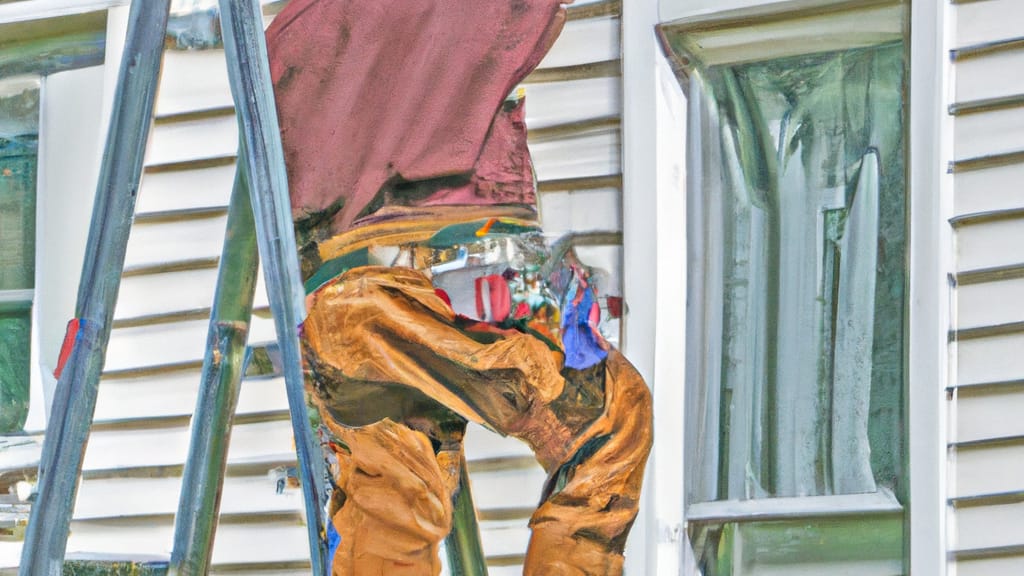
[432, 299]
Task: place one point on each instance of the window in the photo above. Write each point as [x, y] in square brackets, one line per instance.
[19, 126]
[797, 206]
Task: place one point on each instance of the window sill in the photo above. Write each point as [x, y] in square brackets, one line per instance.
[882, 502]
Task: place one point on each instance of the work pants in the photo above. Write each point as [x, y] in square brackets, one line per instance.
[395, 373]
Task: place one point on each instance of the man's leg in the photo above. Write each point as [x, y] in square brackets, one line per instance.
[393, 500]
[580, 529]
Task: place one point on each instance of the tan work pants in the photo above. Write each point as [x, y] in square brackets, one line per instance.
[390, 363]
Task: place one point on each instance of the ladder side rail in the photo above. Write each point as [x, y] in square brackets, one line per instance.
[463, 545]
[74, 400]
[195, 524]
[251, 87]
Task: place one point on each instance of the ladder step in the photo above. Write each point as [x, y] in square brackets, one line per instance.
[84, 564]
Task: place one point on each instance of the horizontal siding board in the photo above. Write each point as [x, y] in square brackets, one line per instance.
[481, 443]
[175, 394]
[127, 497]
[154, 396]
[162, 293]
[979, 22]
[991, 566]
[505, 538]
[989, 416]
[581, 210]
[149, 345]
[164, 308]
[987, 105]
[985, 76]
[235, 543]
[990, 526]
[987, 48]
[581, 41]
[508, 488]
[987, 162]
[562, 102]
[988, 470]
[991, 245]
[513, 570]
[982, 389]
[135, 423]
[1009, 328]
[995, 359]
[164, 318]
[175, 342]
[603, 69]
[197, 164]
[589, 155]
[193, 80]
[988, 500]
[989, 133]
[150, 398]
[995, 274]
[195, 115]
[167, 242]
[251, 442]
[987, 217]
[180, 215]
[992, 189]
[192, 140]
[990, 304]
[583, 7]
[573, 129]
[188, 189]
[580, 183]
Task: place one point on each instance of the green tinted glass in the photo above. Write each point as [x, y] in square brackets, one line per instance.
[19, 128]
[806, 214]
[15, 367]
[17, 222]
[862, 545]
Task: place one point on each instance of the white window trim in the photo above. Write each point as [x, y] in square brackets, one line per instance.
[26, 10]
[639, 252]
[795, 507]
[931, 262]
[654, 277]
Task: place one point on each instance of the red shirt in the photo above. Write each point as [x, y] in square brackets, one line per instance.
[402, 103]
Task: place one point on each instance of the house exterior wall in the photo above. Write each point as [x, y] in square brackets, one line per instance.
[986, 111]
[968, 407]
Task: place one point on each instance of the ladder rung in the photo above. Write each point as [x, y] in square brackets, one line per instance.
[110, 565]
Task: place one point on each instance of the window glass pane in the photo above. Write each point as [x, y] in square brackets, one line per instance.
[804, 253]
[865, 546]
[19, 126]
[15, 342]
[19, 129]
[17, 222]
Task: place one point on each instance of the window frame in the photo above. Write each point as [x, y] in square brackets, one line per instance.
[929, 252]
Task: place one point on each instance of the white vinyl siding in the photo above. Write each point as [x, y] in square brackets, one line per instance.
[986, 434]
